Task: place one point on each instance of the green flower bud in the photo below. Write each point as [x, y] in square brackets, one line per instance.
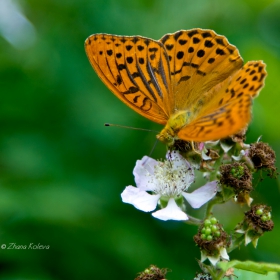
[208, 231]
[209, 237]
[207, 222]
[213, 220]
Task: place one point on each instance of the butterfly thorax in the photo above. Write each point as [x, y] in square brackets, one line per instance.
[175, 123]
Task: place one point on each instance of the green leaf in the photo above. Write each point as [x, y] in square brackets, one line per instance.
[248, 275]
[261, 268]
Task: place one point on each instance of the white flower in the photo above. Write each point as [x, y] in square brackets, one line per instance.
[214, 259]
[168, 180]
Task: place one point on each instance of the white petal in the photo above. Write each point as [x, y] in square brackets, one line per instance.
[247, 239]
[240, 231]
[213, 260]
[143, 173]
[204, 156]
[255, 242]
[178, 160]
[200, 196]
[140, 199]
[211, 144]
[171, 212]
[203, 256]
[226, 147]
[224, 254]
[237, 158]
[240, 156]
[246, 146]
[250, 201]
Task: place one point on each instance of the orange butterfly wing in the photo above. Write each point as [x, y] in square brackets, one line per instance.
[136, 70]
[230, 109]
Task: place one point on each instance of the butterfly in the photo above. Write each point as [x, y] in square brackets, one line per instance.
[192, 81]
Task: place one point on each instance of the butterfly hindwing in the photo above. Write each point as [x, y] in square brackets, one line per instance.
[229, 109]
[226, 120]
[136, 70]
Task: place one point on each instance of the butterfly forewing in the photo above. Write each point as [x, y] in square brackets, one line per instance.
[136, 70]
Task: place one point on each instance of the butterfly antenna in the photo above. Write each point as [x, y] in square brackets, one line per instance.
[150, 153]
[153, 148]
[130, 127]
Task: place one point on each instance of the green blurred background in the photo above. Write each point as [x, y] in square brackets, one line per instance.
[62, 171]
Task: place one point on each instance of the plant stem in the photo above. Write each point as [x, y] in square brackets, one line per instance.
[193, 221]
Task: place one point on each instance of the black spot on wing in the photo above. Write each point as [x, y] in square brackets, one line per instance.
[177, 35]
[147, 42]
[135, 40]
[135, 75]
[135, 99]
[220, 51]
[119, 80]
[121, 67]
[180, 55]
[182, 42]
[206, 34]
[261, 78]
[153, 49]
[200, 53]
[220, 41]
[165, 38]
[201, 73]
[147, 105]
[131, 90]
[191, 33]
[190, 50]
[169, 46]
[129, 59]
[184, 78]
[208, 44]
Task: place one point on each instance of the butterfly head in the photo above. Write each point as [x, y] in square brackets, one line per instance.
[167, 136]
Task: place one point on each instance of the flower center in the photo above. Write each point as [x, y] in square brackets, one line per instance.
[171, 180]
